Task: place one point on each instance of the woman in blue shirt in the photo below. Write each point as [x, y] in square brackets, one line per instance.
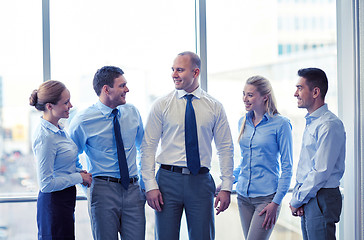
[56, 157]
[265, 171]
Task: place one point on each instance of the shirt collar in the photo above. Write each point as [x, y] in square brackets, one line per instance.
[50, 126]
[318, 112]
[266, 116]
[197, 93]
[105, 110]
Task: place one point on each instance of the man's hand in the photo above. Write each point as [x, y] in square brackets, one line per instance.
[86, 178]
[218, 189]
[224, 198]
[270, 215]
[297, 212]
[155, 200]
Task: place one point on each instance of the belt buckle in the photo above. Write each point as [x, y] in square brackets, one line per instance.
[186, 171]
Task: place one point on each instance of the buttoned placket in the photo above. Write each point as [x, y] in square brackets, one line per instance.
[251, 150]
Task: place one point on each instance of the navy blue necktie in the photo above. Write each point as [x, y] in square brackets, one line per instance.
[123, 166]
[191, 140]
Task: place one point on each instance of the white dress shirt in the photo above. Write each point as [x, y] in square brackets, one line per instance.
[166, 122]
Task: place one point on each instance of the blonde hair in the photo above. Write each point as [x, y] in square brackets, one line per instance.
[48, 92]
[264, 88]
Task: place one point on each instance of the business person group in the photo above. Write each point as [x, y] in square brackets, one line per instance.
[124, 169]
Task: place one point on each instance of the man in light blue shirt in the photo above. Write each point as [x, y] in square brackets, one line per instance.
[114, 208]
[316, 196]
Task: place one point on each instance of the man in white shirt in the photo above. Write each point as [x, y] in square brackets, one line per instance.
[179, 185]
[316, 196]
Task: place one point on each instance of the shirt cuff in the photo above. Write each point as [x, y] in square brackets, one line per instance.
[150, 185]
[78, 178]
[227, 185]
[296, 204]
[278, 198]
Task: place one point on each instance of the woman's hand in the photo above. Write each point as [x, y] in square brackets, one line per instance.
[270, 215]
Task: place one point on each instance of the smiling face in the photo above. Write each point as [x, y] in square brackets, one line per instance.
[184, 76]
[253, 100]
[117, 93]
[61, 109]
[304, 95]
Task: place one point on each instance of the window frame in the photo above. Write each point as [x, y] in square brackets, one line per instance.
[350, 105]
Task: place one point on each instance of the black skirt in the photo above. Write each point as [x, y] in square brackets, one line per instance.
[55, 214]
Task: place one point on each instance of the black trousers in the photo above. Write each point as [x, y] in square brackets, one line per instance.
[55, 214]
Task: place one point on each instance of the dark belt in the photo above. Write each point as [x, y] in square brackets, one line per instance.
[117, 180]
[183, 170]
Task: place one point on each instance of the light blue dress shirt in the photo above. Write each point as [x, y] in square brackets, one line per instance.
[93, 132]
[266, 150]
[322, 158]
[56, 157]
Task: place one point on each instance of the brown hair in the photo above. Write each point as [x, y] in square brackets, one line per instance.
[48, 92]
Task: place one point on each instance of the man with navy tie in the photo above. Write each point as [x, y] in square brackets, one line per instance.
[316, 198]
[110, 133]
[185, 122]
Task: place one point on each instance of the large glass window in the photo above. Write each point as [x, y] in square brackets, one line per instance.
[141, 37]
[20, 72]
[273, 39]
[244, 38]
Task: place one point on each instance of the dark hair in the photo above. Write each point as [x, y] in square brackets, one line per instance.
[195, 59]
[105, 76]
[48, 92]
[315, 77]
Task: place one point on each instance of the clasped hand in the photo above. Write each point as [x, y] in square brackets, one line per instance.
[86, 178]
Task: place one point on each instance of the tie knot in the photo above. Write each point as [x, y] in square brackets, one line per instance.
[115, 112]
[189, 97]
